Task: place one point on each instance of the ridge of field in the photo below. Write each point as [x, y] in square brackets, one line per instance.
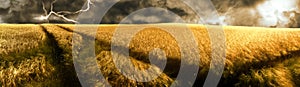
[41, 55]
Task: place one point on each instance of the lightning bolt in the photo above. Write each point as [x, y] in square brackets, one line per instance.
[61, 14]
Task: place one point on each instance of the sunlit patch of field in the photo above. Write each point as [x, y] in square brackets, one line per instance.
[19, 38]
[24, 56]
[255, 56]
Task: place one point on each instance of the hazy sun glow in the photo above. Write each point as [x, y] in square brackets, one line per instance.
[41, 18]
[272, 12]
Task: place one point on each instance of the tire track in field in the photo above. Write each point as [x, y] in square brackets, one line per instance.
[111, 68]
[140, 56]
[66, 74]
[238, 70]
[275, 55]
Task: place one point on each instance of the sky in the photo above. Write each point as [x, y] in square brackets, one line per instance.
[262, 13]
[273, 11]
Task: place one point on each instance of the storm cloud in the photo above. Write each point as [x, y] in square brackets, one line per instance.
[266, 13]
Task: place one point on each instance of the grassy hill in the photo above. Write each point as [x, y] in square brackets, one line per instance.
[41, 55]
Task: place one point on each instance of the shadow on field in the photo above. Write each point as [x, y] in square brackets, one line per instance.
[66, 74]
[249, 69]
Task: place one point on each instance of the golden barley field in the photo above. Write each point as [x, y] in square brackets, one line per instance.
[41, 55]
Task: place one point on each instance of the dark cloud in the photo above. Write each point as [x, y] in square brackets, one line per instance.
[231, 12]
[24, 11]
[224, 5]
[126, 7]
[14, 10]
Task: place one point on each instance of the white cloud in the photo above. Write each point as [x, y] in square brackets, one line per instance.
[272, 12]
[4, 4]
